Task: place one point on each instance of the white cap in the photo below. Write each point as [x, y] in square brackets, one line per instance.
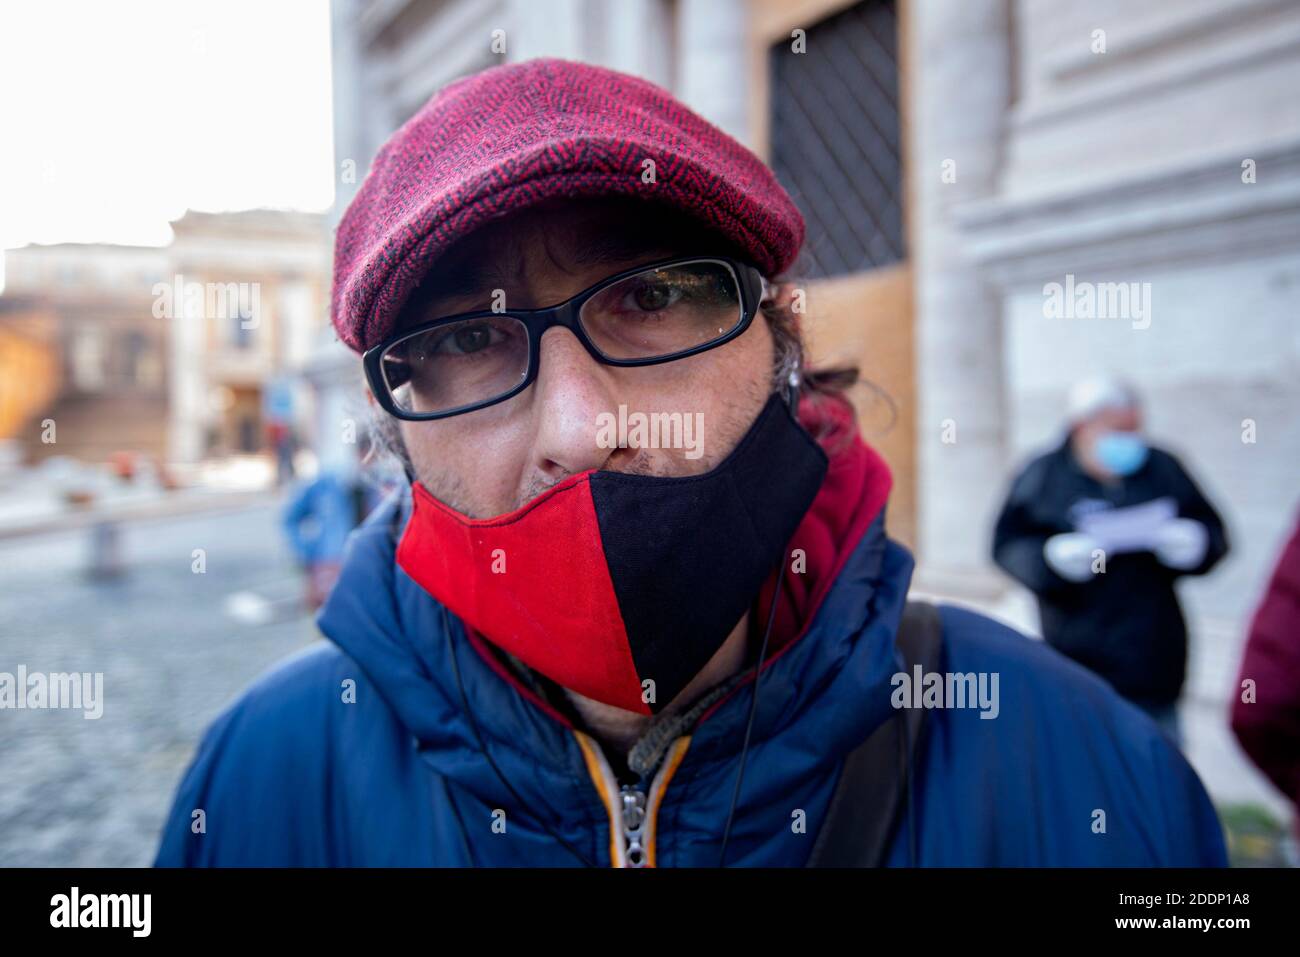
[1092, 395]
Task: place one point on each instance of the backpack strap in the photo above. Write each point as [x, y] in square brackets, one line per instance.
[871, 794]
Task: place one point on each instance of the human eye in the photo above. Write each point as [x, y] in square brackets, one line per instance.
[648, 296]
[465, 339]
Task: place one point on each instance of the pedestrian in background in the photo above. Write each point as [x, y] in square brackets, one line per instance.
[1099, 529]
[320, 515]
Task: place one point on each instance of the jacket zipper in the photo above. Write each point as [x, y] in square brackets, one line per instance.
[632, 807]
[634, 817]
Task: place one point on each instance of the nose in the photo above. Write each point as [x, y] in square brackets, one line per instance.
[571, 392]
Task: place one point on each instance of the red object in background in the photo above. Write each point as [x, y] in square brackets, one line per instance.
[123, 464]
[166, 479]
[1269, 727]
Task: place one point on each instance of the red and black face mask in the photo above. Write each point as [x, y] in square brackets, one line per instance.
[622, 587]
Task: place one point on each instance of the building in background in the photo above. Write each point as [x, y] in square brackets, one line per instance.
[31, 374]
[1148, 145]
[230, 371]
[953, 160]
[103, 382]
[165, 351]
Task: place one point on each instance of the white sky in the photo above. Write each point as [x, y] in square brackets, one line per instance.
[117, 116]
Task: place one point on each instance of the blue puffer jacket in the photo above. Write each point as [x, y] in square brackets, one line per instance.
[362, 752]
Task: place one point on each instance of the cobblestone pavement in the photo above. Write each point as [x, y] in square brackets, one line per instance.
[80, 792]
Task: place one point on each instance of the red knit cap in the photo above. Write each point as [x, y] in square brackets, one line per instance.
[513, 136]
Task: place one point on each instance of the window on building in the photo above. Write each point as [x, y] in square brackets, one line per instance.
[141, 367]
[835, 138]
[241, 332]
[87, 359]
[242, 309]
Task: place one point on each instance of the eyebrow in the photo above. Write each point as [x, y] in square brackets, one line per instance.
[467, 281]
[476, 278]
[608, 249]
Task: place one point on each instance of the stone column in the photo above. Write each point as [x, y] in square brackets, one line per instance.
[960, 79]
[713, 62]
[639, 40]
[187, 381]
[555, 29]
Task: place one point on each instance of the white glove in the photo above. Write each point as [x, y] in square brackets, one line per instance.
[1070, 555]
[1181, 543]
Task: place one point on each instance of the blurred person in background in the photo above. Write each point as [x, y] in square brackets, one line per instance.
[1266, 715]
[564, 647]
[277, 414]
[283, 443]
[1100, 529]
[321, 513]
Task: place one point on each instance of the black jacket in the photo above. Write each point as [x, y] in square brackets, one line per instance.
[1124, 624]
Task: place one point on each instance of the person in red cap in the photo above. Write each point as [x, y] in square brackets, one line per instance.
[636, 605]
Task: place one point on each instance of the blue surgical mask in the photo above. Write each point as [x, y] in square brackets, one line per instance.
[1121, 453]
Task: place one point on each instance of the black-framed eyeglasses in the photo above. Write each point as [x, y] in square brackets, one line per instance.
[657, 312]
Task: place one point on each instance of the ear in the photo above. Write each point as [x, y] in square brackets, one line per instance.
[778, 294]
[788, 299]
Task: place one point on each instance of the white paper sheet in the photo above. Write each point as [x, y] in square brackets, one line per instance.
[1131, 529]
